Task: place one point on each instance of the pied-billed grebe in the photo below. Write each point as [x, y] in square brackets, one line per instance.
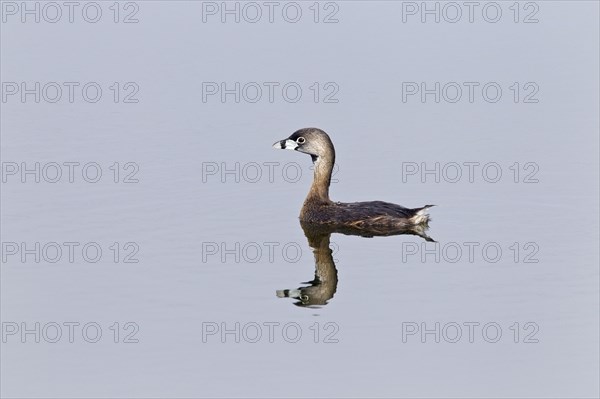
[318, 208]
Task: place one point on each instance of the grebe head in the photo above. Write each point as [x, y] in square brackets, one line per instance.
[312, 141]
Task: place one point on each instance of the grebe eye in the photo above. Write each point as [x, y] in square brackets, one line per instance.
[300, 140]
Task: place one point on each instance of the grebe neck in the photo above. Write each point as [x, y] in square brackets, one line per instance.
[319, 190]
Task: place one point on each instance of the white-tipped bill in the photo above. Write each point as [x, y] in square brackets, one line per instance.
[285, 145]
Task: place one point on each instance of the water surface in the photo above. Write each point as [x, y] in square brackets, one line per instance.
[213, 218]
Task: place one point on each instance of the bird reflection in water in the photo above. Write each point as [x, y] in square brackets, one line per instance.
[322, 288]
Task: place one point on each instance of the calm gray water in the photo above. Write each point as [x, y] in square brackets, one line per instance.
[158, 278]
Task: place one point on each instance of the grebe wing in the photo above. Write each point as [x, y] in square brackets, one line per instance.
[376, 208]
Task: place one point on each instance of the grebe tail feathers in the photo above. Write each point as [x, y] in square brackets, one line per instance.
[421, 216]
